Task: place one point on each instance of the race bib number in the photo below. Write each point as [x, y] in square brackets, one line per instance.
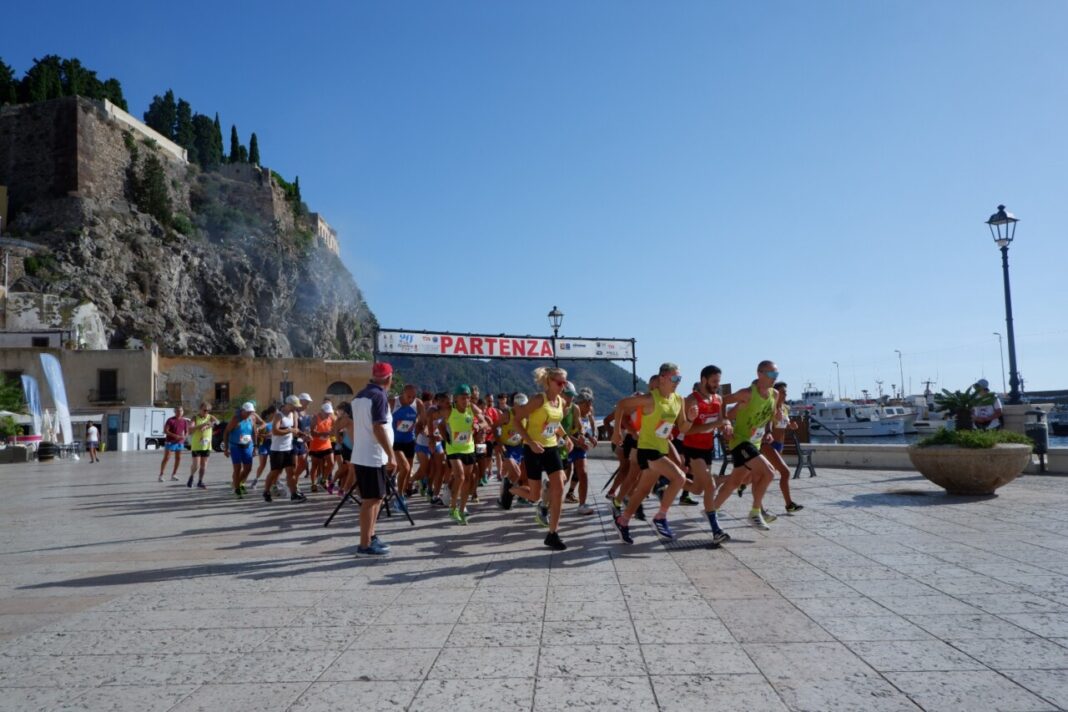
[549, 430]
[514, 439]
[663, 431]
[480, 448]
[244, 439]
[405, 426]
[463, 438]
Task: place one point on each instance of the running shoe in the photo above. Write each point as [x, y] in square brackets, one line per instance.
[189, 482]
[237, 492]
[437, 502]
[314, 487]
[506, 498]
[757, 522]
[454, 515]
[201, 485]
[243, 490]
[624, 532]
[375, 541]
[483, 481]
[768, 516]
[464, 519]
[297, 497]
[720, 537]
[541, 515]
[554, 542]
[663, 529]
[571, 498]
[267, 495]
[793, 507]
[640, 514]
[401, 504]
[686, 500]
[330, 488]
[252, 485]
[160, 479]
[174, 478]
[372, 550]
[475, 499]
[585, 510]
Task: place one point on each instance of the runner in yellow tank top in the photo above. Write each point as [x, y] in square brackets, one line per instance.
[541, 455]
[662, 411]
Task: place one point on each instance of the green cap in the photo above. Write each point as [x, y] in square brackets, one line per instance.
[462, 390]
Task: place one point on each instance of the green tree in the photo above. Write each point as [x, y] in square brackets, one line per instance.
[152, 196]
[162, 114]
[235, 145]
[11, 396]
[183, 126]
[218, 139]
[113, 93]
[43, 80]
[205, 150]
[9, 86]
[254, 150]
[77, 80]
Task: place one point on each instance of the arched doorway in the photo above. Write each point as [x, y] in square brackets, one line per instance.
[339, 388]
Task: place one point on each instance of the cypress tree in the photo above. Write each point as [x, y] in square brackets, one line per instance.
[254, 150]
[43, 81]
[205, 151]
[183, 131]
[9, 92]
[162, 114]
[218, 152]
[153, 197]
[113, 93]
[235, 145]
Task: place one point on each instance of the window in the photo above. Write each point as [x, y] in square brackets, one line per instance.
[222, 392]
[107, 381]
[174, 393]
[39, 342]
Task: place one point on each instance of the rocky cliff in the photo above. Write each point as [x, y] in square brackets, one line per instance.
[237, 271]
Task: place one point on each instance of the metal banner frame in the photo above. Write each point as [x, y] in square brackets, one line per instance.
[554, 356]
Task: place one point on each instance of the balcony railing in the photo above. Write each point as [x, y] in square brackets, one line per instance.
[117, 395]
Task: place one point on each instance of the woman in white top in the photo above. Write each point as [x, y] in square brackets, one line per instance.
[92, 442]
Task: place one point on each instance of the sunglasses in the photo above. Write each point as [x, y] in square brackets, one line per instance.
[675, 379]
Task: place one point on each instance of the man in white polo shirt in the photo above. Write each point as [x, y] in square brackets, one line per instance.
[372, 453]
[986, 417]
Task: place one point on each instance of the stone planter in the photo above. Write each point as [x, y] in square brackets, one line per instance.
[970, 471]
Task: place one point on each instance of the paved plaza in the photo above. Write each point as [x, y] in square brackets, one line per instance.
[121, 593]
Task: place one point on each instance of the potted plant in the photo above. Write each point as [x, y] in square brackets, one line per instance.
[966, 461]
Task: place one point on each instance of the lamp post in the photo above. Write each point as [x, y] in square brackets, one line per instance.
[1001, 352]
[839, 372]
[1003, 229]
[556, 318]
[901, 368]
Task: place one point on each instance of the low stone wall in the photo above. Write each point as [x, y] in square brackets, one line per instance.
[877, 457]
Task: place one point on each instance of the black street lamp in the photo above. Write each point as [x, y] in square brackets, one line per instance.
[1003, 229]
[556, 318]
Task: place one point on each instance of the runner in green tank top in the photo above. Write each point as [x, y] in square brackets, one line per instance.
[662, 411]
[457, 427]
[754, 409]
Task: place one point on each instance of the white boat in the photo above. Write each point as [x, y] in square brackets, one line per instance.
[833, 417]
[906, 415]
[928, 420]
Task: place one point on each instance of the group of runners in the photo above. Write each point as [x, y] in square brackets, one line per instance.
[444, 446]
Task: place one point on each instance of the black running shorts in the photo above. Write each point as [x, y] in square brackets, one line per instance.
[407, 449]
[281, 459]
[742, 454]
[466, 458]
[693, 453]
[372, 481]
[646, 456]
[629, 443]
[543, 463]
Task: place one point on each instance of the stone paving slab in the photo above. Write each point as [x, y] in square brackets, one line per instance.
[122, 593]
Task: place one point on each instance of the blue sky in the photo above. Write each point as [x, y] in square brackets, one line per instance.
[725, 182]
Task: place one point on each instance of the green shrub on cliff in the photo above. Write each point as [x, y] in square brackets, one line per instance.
[148, 188]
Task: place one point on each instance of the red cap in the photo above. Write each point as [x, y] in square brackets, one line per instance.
[381, 370]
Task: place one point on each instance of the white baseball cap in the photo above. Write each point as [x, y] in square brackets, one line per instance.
[293, 400]
[983, 383]
[305, 397]
[521, 399]
[249, 407]
[328, 407]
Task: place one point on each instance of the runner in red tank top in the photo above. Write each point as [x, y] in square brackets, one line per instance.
[699, 442]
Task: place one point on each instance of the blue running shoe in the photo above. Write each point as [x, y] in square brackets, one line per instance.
[663, 529]
[375, 541]
[402, 505]
[624, 532]
[375, 549]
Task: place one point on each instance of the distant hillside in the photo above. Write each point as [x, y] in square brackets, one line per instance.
[609, 381]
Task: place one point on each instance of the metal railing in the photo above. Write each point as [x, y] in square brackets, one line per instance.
[117, 395]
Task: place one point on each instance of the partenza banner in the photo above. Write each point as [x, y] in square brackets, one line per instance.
[423, 343]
